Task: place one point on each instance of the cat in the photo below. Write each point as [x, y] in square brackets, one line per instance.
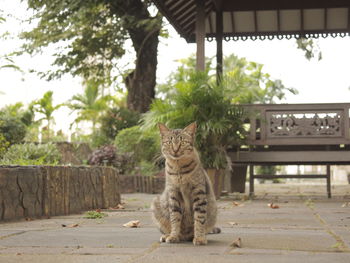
[186, 210]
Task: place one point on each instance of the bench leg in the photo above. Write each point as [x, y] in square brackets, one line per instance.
[251, 181]
[329, 181]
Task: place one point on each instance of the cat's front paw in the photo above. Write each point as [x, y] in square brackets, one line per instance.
[172, 239]
[163, 238]
[199, 241]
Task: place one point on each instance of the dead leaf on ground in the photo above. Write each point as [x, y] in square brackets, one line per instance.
[117, 207]
[29, 219]
[98, 210]
[273, 206]
[132, 224]
[71, 225]
[237, 243]
[346, 204]
[237, 204]
[232, 223]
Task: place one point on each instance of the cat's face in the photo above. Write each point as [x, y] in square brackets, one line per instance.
[177, 143]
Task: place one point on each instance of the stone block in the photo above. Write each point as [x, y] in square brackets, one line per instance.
[36, 191]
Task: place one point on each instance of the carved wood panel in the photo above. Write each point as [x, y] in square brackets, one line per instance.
[299, 124]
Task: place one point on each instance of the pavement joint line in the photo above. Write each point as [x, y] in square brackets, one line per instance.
[256, 251]
[340, 245]
[152, 248]
[275, 228]
[27, 231]
[13, 234]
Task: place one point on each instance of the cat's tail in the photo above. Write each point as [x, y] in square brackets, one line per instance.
[215, 230]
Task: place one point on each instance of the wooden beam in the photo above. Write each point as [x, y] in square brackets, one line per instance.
[219, 53]
[291, 157]
[200, 34]
[244, 5]
[218, 4]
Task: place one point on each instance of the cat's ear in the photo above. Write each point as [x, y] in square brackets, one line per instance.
[162, 128]
[191, 129]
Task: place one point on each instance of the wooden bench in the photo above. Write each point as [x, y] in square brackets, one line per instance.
[295, 134]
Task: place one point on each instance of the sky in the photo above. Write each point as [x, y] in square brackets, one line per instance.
[322, 81]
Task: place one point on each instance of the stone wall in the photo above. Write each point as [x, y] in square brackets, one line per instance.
[74, 153]
[44, 191]
[142, 184]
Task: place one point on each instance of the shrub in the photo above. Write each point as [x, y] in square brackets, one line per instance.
[145, 168]
[145, 145]
[31, 154]
[95, 140]
[98, 139]
[3, 145]
[117, 119]
[103, 156]
[12, 129]
[108, 156]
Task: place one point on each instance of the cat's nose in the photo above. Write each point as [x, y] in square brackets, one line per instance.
[176, 148]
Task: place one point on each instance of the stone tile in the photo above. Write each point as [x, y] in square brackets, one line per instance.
[30, 250]
[63, 258]
[246, 256]
[10, 232]
[280, 239]
[85, 236]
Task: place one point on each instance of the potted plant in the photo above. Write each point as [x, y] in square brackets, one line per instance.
[219, 121]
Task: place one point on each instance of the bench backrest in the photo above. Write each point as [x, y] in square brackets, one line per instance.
[299, 124]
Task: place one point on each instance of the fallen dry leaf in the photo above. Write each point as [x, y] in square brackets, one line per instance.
[117, 207]
[273, 206]
[346, 204]
[237, 204]
[237, 243]
[29, 219]
[232, 223]
[71, 225]
[133, 223]
[98, 210]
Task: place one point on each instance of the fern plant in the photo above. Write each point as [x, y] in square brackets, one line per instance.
[31, 154]
[199, 99]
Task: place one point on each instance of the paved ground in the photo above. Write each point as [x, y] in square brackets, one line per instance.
[307, 227]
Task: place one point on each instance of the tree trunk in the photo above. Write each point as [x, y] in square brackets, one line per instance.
[144, 31]
[141, 81]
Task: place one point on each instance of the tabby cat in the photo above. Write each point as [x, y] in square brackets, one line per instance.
[186, 211]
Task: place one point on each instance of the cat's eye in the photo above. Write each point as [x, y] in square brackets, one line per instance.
[168, 142]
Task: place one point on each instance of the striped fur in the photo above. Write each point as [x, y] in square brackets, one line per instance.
[186, 211]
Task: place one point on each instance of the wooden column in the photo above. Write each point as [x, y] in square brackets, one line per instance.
[200, 34]
[219, 53]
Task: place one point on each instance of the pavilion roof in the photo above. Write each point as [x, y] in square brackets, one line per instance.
[260, 19]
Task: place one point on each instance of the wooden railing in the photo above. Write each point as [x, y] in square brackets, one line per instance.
[284, 134]
[299, 124]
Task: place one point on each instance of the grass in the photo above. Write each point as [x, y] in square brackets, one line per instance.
[309, 203]
[132, 199]
[94, 215]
